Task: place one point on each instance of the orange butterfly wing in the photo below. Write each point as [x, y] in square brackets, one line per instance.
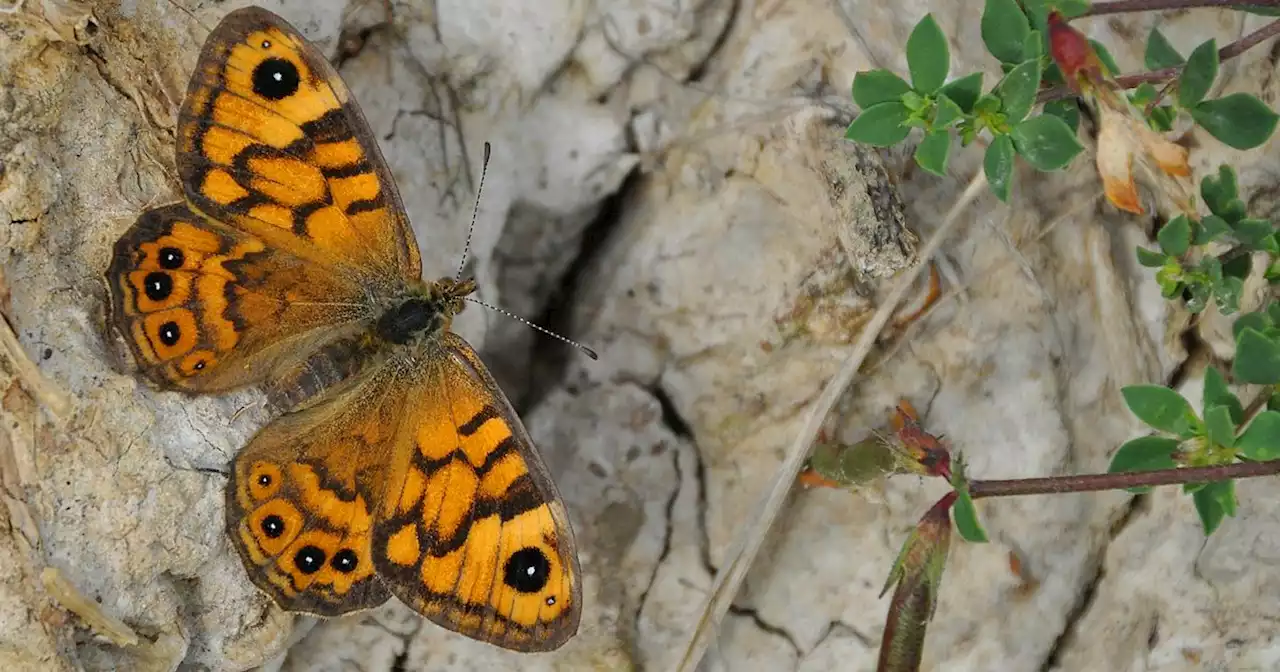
[270, 140]
[476, 538]
[206, 307]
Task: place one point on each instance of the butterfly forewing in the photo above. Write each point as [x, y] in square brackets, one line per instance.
[270, 139]
[206, 307]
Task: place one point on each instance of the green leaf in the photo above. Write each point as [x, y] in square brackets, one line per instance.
[1272, 274]
[1211, 228]
[1257, 358]
[1252, 231]
[1258, 321]
[1175, 236]
[1065, 109]
[1214, 502]
[964, 91]
[1053, 76]
[1221, 194]
[1108, 61]
[1161, 408]
[1239, 120]
[1046, 142]
[1258, 9]
[1216, 393]
[928, 57]
[1004, 28]
[966, 516]
[933, 152]
[1017, 91]
[1032, 46]
[998, 165]
[1261, 439]
[1198, 74]
[872, 87]
[947, 113]
[880, 125]
[986, 104]
[1160, 54]
[1227, 295]
[1161, 118]
[1145, 453]
[1143, 93]
[1151, 258]
[1219, 427]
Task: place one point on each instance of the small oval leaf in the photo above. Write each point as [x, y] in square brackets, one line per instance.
[1239, 120]
[880, 125]
[1160, 407]
[1145, 453]
[928, 57]
[998, 166]
[1261, 439]
[872, 87]
[1046, 142]
[1198, 74]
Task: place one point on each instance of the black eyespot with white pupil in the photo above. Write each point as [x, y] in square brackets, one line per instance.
[527, 570]
[171, 258]
[264, 480]
[157, 285]
[273, 526]
[275, 79]
[309, 559]
[170, 333]
[345, 561]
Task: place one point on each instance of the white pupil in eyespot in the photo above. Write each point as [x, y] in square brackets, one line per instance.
[278, 76]
[266, 44]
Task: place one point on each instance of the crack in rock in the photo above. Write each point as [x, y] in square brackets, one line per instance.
[776, 630]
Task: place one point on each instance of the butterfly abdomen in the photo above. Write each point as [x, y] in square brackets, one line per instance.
[331, 365]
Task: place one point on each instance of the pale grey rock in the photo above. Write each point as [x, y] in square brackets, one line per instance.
[722, 284]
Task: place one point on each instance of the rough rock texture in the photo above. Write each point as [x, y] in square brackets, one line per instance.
[669, 185]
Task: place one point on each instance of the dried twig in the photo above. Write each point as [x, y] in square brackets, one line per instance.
[44, 391]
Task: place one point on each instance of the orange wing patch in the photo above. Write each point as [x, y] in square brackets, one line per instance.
[270, 140]
[476, 538]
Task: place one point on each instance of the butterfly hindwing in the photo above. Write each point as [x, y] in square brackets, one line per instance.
[475, 537]
[205, 307]
[269, 139]
[302, 498]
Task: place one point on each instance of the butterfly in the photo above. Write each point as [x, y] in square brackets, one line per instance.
[400, 467]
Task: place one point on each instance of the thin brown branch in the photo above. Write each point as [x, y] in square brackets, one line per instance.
[1122, 6]
[1226, 53]
[1131, 479]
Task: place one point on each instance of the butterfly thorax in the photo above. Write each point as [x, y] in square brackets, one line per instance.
[427, 310]
[420, 315]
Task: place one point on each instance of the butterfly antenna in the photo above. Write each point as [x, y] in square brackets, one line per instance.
[475, 211]
[587, 351]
